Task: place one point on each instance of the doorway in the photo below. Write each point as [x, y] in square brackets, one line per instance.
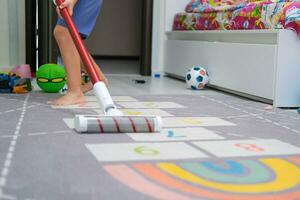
[119, 40]
[122, 36]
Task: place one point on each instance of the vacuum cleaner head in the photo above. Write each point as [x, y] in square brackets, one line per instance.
[117, 124]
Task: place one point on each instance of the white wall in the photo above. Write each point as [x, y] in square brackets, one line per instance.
[172, 7]
[158, 35]
[12, 33]
[4, 37]
[163, 15]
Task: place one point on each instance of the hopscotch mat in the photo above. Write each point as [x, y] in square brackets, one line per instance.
[161, 105]
[258, 147]
[177, 134]
[181, 150]
[143, 151]
[115, 98]
[92, 103]
[86, 105]
[142, 112]
[191, 159]
[122, 102]
[194, 121]
[174, 122]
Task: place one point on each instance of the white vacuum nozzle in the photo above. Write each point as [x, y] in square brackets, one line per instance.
[114, 112]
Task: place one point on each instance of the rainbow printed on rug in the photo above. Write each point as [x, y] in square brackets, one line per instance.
[237, 179]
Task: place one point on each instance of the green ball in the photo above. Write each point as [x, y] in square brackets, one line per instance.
[51, 78]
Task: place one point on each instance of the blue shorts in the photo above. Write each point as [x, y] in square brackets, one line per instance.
[85, 14]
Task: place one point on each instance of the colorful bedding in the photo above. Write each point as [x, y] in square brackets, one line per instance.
[236, 15]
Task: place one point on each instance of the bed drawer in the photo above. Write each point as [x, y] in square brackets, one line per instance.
[245, 68]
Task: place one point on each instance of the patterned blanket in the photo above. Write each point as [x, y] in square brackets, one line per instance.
[242, 14]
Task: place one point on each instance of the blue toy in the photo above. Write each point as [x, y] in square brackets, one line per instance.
[5, 85]
[298, 110]
[12, 83]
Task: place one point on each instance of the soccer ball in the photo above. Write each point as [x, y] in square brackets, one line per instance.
[197, 78]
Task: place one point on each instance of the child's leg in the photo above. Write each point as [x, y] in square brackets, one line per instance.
[71, 60]
[89, 86]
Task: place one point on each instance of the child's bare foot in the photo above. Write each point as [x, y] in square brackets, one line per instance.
[68, 99]
[89, 86]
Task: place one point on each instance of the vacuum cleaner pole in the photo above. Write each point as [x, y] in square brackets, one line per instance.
[100, 88]
[86, 59]
[114, 121]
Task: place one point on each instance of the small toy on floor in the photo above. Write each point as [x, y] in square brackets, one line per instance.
[298, 110]
[5, 83]
[137, 81]
[13, 83]
[157, 75]
[84, 80]
[22, 85]
[23, 71]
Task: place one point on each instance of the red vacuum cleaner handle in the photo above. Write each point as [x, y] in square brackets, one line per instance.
[85, 57]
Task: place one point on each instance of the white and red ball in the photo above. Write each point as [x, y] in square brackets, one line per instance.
[197, 78]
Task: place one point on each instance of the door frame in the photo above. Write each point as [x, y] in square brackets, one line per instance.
[146, 47]
[47, 49]
[30, 20]
[46, 22]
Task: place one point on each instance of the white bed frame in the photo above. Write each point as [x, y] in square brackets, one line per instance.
[260, 64]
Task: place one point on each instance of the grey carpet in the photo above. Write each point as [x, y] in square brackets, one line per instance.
[50, 161]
